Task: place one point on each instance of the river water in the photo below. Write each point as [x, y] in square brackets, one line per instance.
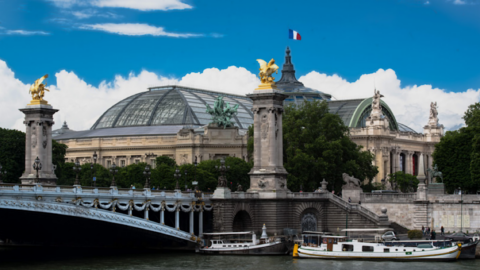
[26, 259]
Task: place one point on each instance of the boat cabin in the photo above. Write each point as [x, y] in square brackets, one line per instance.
[230, 239]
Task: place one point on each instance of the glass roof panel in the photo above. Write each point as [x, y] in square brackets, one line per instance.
[139, 111]
[109, 117]
[170, 111]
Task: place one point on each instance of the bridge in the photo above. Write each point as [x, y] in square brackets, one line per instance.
[87, 216]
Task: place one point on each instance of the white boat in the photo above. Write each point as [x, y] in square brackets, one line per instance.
[339, 247]
[243, 243]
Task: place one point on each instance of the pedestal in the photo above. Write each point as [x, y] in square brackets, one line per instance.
[222, 193]
[268, 177]
[355, 194]
[38, 143]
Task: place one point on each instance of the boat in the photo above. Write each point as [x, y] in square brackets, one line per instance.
[341, 247]
[468, 248]
[243, 243]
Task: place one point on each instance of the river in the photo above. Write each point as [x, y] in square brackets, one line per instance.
[26, 259]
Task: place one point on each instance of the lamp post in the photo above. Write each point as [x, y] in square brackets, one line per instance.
[76, 169]
[177, 175]
[54, 167]
[37, 166]
[185, 179]
[147, 174]
[2, 174]
[195, 172]
[92, 166]
[113, 170]
[461, 209]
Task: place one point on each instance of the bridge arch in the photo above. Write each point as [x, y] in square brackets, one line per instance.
[242, 222]
[309, 216]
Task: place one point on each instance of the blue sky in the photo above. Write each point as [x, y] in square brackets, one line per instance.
[414, 51]
[434, 42]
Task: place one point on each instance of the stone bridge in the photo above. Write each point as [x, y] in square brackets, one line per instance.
[86, 216]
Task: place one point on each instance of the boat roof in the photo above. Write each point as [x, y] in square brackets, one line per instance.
[313, 232]
[228, 233]
[367, 230]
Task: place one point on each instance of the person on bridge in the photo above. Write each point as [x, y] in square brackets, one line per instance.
[442, 231]
[349, 200]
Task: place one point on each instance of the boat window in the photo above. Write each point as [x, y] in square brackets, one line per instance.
[229, 245]
[404, 250]
[224, 246]
[424, 246]
[347, 247]
[386, 250]
[396, 249]
[367, 248]
[245, 246]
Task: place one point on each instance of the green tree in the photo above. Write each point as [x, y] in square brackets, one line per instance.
[131, 175]
[472, 115]
[317, 146]
[59, 150]
[12, 154]
[165, 160]
[403, 181]
[250, 143]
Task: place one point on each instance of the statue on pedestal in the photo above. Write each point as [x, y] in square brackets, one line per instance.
[37, 90]
[433, 119]
[266, 71]
[350, 181]
[222, 113]
[435, 173]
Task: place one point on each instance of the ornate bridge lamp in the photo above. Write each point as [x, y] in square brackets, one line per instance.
[2, 174]
[37, 166]
[147, 174]
[222, 180]
[92, 167]
[461, 209]
[114, 171]
[177, 175]
[76, 169]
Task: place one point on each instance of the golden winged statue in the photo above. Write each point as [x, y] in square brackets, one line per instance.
[37, 90]
[266, 71]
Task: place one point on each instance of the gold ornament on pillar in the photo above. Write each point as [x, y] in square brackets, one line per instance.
[266, 71]
[38, 91]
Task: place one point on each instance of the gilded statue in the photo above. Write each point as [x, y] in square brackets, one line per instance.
[266, 71]
[38, 91]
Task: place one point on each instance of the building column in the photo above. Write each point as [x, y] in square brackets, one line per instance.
[200, 223]
[177, 217]
[145, 215]
[162, 215]
[191, 220]
[128, 160]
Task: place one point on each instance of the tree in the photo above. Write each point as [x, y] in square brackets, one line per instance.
[403, 181]
[458, 154]
[317, 146]
[165, 160]
[12, 154]
[59, 150]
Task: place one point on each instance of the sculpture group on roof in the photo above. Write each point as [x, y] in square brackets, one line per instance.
[222, 113]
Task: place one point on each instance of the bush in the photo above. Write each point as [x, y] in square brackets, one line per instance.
[415, 234]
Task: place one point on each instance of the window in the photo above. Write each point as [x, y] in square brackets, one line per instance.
[152, 163]
[122, 163]
[367, 249]
[347, 247]
[109, 164]
[386, 250]
[137, 161]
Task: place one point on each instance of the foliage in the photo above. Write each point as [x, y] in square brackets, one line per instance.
[472, 115]
[12, 154]
[59, 151]
[250, 143]
[237, 174]
[165, 160]
[403, 181]
[131, 175]
[415, 234]
[316, 139]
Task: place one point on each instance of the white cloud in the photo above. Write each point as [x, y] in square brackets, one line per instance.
[427, 3]
[459, 2]
[26, 33]
[410, 104]
[81, 104]
[135, 29]
[88, 13]
[143, 5]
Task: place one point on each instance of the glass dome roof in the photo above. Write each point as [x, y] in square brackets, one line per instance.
[171, 105]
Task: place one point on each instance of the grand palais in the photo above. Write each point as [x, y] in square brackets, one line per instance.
[172, 121]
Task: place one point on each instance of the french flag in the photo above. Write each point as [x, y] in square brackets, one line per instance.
[294, 35]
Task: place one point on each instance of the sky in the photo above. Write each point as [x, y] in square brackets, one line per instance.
[98, 52]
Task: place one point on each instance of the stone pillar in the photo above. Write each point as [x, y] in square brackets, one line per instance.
[422, 189]
[191, 220]
[177, 217]
[162, 215]
[38, 143]
[268, 176]
[128, 160]
[200, 223]
[145, 215]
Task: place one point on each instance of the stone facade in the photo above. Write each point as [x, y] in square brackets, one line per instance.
[184, 146]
